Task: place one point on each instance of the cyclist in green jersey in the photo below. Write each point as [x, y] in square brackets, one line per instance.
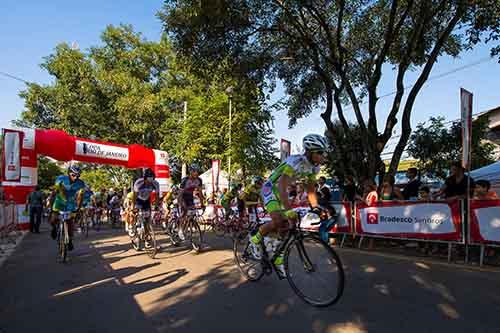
[228, 198]
[274, 191]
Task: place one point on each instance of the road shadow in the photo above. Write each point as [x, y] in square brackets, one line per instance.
[108, 287]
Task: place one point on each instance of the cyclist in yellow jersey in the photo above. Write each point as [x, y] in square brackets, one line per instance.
[128, 205]
[274, 191]
[250, 196]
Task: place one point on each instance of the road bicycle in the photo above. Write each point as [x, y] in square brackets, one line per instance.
[85, 220]
[63, 235]
[313, 269]
[142, 235]
[98, 218]
[185, 229]
[116, 218]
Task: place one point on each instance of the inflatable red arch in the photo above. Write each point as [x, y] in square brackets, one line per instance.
[21, 146]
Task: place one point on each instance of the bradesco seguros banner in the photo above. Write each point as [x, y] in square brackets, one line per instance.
[422, 220]
[485, 221]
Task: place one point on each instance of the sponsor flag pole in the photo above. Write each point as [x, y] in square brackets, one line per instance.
[285, 149]
[466, 119]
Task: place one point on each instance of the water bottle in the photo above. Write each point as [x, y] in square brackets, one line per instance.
[271, 245]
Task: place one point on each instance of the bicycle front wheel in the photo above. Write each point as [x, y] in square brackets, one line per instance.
[63, 247]
[314, 271]
[86, 224]
[250, 267]
[150, 240]
[193, 233]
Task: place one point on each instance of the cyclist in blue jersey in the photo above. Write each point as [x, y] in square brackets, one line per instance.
[68, 197]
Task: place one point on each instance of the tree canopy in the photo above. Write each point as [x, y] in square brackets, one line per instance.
[331, 53]
[131, 90]
[436, 145]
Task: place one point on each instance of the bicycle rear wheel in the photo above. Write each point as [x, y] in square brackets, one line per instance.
[251, 268]
[314, 271]
[150, 240]
[192, 231]
[219, 227]
[86, 222]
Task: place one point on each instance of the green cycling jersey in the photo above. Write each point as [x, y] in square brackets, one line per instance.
[297, 167]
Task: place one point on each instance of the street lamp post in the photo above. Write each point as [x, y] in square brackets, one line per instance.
[184, 166]
[229, 92]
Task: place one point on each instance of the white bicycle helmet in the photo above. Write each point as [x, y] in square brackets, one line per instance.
[315, 143]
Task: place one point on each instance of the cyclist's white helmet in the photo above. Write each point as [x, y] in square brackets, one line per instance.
[314, 143]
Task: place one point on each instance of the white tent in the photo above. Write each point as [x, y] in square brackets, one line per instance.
[207, 180]
[490, 173]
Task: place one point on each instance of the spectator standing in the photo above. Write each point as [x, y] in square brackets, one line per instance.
[323, 192]
[370, 195]
[349, 189]
[336, 191]
[388, 191]
[410, 191]
[482, 191]
[455, 186]
[424, 193]
[34, 205]
[292, 192]
[301, 199]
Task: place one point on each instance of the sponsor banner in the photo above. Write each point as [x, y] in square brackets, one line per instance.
[211, 211]
[421, 220]
[215, 175]
[161, 157]
[161, 172]
[343, 225]
[29, 177]
[485, 221]
[285, 149]
[344, 218]
[28, 158]
[94, 152]
[466, 120]
[11, 155]
[164, 184]
[22, 215]
[29, 138]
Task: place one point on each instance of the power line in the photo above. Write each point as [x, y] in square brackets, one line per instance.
[432, 78]
[14, 77]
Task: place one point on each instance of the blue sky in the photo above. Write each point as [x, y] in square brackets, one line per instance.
[31, 30]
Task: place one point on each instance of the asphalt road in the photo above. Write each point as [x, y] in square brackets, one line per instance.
[108, 287]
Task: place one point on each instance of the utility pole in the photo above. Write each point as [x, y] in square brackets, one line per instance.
[229, 92]
[184, 166]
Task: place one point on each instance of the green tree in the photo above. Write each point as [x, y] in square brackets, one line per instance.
[99, 177]
[130, 90]
[435, 145]
[48, 171]
[331, 53]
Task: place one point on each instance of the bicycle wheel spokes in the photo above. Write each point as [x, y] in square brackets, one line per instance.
[63, 248]
[314, 271]
[250, 267]
[150, 240]
[193, 234]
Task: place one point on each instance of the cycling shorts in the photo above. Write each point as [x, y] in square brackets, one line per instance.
[142, 204]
